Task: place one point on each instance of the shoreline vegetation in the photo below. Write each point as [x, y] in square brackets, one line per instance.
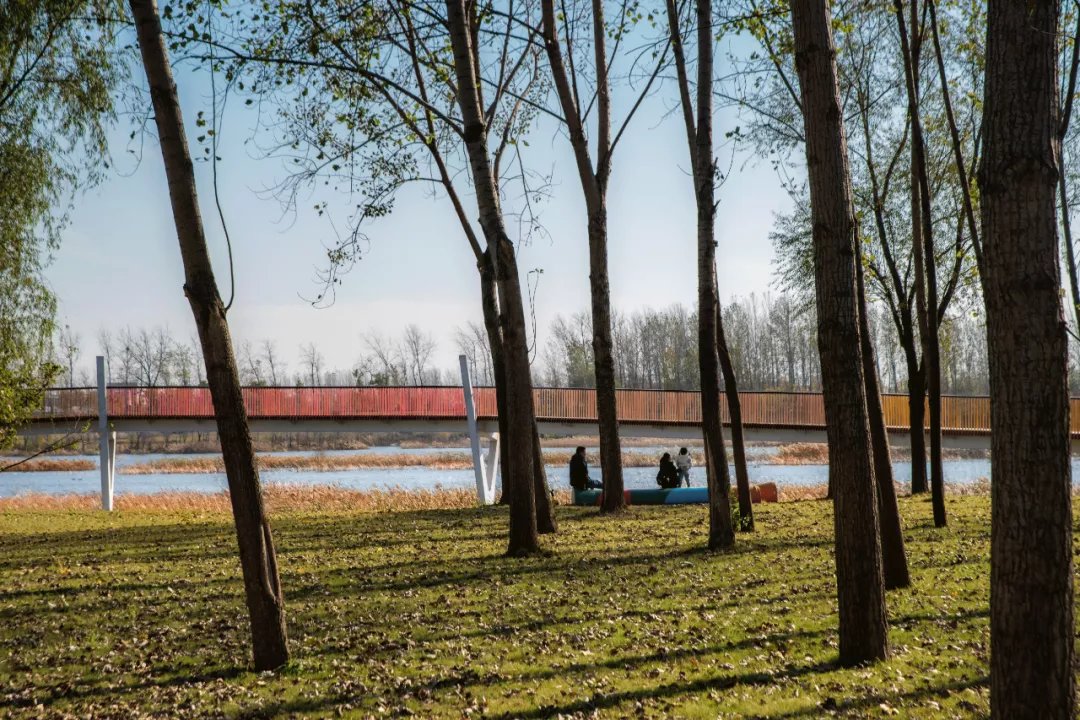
[791, 454]
[194, 443]
[282, 497]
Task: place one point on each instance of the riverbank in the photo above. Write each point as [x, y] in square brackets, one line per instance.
[284, 497]
[141, 613]
[458, 459]
[207, 443]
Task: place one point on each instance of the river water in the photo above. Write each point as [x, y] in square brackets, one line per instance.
[415, 478]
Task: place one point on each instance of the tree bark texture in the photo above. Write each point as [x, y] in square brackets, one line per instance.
[521, 418]
[893, 558]
[594, 187]
[738, 444]
[604, 361]
[721, 533]
[258, 560]
[489, 289]
[864, 632]
[917, 422]
[925, 262]
[699, 138]
[545, 511]
[545, 514]
[1031, 585]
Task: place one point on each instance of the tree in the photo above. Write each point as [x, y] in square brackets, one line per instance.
[258, 560]
[58, 66]
[418, 348]
[1031, 574]
[250, 365]
[151, 353]
[594, 183]
[275, 365]
[925, 263]
[864, 631]
[700, 139]
[369, 104]
[521, 417]
[313, 361]
[873, 84]
[893, 558]
[70, 351]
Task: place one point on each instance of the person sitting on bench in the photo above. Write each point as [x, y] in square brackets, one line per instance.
[668, 477]
[579, 472]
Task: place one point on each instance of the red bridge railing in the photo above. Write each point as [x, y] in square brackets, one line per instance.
[960, 415]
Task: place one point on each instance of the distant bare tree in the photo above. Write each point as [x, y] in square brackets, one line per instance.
[151, 353]
[313, 361]
[183, 363]
[251, 365]
[200, 364]
[107, 347]
[275, 364]
[417, 347]
[70, 352]
[472, 341]
[388, 357]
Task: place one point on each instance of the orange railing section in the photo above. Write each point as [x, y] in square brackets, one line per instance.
[960, 415]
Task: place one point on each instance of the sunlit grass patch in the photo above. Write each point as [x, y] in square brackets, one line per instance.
[418, 613]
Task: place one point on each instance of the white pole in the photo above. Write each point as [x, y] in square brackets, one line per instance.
[492, 468]
[474, 435]
[104, 436]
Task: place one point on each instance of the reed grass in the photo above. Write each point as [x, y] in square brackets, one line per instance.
[308, 463]
[51, 465]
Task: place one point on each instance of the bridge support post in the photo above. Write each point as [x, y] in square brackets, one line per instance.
[491, 467]
[106, 438]
[485, 489]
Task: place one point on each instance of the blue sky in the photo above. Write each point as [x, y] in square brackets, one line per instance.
[120, 264]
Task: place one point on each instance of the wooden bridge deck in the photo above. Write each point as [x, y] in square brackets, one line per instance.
[300, 405]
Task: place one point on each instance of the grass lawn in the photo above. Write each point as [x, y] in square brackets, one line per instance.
[141, 613]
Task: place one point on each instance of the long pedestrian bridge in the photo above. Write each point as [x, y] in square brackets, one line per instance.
[767, 416]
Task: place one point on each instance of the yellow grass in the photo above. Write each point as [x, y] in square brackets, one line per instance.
[800, 454]
[310, 463]
[51, 465]
[332, 498]
[278, 498]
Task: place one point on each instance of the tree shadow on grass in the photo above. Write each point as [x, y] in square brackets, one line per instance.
[877, 699]
[163, 677]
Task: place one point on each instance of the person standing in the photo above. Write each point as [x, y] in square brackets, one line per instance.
[683, 462]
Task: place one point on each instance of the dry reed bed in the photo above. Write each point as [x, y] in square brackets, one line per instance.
[333, 463]
[310, 463]
[51, 465]
[331, 498]
[278, 498]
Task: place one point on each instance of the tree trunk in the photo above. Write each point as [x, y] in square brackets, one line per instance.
[489, 289]
[864, 630]
[893, 559]
[1031, 576]
[925, 262]
[545, 512]
[721, 533]
[738, 446]
[520, 416]
[258, 561]
[594, 186]
[699, 135]
[917, 421]
[604, 362]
